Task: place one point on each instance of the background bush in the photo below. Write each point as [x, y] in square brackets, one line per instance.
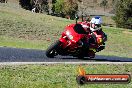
[123, 15]
[60, 8]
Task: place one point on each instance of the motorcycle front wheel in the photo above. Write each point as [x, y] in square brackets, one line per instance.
[51, 51]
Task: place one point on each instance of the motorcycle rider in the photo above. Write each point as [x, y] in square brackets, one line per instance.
[95, 25]
[92, 27]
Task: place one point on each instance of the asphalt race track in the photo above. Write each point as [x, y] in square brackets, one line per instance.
[31, 55]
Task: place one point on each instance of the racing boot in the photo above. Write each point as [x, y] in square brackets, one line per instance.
[91, 53]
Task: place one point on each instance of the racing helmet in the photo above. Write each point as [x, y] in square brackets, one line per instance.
[95, 23]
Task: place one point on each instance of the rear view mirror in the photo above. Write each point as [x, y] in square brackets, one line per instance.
[76, 17]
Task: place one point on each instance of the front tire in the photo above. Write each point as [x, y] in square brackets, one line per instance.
[51, 51]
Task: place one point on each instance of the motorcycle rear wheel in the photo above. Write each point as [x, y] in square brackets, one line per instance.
[51, 51]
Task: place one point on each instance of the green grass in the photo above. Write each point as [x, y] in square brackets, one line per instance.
[57, 75]
[22, 43]
[23, 29]
[119, 42]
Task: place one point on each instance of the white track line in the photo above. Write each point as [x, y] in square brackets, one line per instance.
[26, 63]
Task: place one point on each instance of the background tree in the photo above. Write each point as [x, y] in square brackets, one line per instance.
[25, 4]
[40, 5]
[53, 6]
[59, 5]
[123, 15]
[104, 3]
[3, 1]
[45, 7]
[70, 8]
[66, 7]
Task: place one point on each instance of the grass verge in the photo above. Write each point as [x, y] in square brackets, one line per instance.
[58, 75]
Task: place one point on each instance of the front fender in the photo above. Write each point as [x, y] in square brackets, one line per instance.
[64, 42]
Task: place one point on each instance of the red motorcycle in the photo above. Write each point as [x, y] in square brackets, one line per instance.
[77, 42]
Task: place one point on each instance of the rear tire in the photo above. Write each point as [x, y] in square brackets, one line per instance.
[51, 51]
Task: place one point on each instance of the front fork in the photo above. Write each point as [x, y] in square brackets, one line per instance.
[65, 42]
